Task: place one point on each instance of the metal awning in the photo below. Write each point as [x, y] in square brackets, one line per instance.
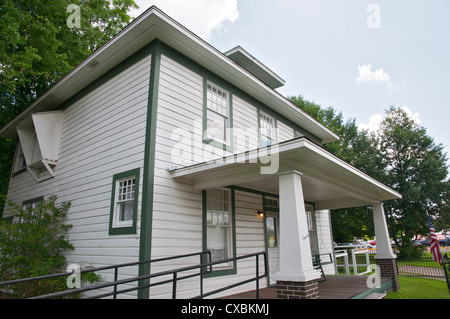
[328, 181]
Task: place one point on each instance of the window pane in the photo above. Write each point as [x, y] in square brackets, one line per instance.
[216, 126]
[217, 113]
[209, 217]
[267, 126]
[125, 211]
[125, 201]
[271, 232]
[218, 242]
[218, 224]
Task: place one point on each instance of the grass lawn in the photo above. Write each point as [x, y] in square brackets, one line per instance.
[419, 288]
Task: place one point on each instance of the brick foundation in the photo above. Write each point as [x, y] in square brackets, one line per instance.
[388, 267]
[297, 290]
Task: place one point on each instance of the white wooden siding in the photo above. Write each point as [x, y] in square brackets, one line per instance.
[245, 120]
[177, 209]
[285, 132]
[103, 134]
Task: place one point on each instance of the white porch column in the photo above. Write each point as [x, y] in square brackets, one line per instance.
[384, 249]
[295, 252]
[385, 257]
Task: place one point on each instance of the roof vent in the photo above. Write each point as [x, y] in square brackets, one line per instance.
[93, 64]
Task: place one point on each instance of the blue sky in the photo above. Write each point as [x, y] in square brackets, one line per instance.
[355, 55]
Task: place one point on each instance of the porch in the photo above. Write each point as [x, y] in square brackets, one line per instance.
[300, 172]
[335, 287]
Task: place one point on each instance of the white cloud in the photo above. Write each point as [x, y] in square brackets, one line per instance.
[414, 116]
[373, 125]
[374, 121]
[203, 17]
[366, 75]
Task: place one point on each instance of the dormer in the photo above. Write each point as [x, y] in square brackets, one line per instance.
[255, 67]
[40, 136]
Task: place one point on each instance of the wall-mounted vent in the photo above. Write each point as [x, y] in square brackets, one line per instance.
[93, 64]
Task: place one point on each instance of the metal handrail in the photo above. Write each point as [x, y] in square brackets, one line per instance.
[175, 278]
[115, 283]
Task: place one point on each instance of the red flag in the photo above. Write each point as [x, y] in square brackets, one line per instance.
[434, 243]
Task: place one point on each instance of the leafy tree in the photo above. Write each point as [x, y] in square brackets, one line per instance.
[32, 243]
[37, 48]
[356, 148]
[417, 168]
[401, 155]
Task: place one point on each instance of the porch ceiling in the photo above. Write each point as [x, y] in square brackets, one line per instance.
[327, 181]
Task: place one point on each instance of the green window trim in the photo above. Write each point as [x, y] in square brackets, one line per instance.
[227, 145]
[233, 269]
[124, 230]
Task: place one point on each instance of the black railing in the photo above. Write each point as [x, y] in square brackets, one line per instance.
[425, 267]
[204, 268]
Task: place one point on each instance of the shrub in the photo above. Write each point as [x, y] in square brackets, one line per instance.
[411, 251]
[32, 243]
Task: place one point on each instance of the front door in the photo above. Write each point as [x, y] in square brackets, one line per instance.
[272, 233]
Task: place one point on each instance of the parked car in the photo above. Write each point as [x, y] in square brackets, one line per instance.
[422, 242]
[362, 244]
[444, 242]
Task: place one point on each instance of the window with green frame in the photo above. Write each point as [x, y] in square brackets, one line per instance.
[218, 228]
[124, 203]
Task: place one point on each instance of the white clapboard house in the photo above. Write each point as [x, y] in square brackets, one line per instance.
[166, 146]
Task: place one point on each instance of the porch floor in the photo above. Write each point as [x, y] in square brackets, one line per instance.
[335, 287]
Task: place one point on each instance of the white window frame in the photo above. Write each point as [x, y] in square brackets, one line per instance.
[124, 194]
[217, 106]
[267, 129]
[219, 215]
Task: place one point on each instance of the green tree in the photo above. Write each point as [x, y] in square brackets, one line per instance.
[401, 155]
[37, 48]
[32, 243]
[416, 168]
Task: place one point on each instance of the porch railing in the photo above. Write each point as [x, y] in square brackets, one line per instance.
[176, 275]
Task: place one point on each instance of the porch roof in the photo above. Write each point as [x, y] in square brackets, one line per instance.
[328, 181]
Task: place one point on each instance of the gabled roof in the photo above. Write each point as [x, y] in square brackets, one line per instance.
[154, 24]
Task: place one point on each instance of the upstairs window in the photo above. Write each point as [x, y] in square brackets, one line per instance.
[217, 114]
[267, 129]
